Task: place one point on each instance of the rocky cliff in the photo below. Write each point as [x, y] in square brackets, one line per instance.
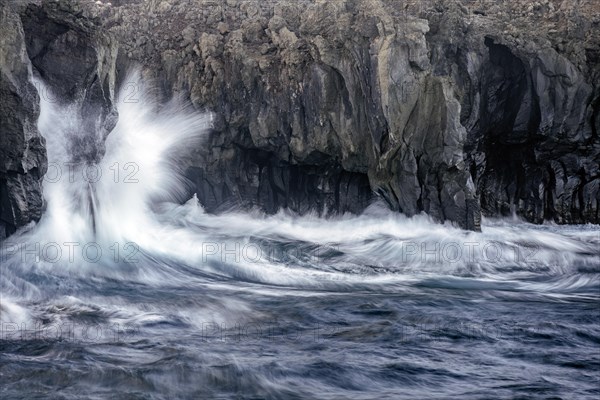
[22, 152]
[71, 53]
[453, 108]
[76, 60]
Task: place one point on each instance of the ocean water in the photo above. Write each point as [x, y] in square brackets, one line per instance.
[121, 292]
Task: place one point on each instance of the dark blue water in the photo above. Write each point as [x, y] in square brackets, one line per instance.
[375, 331]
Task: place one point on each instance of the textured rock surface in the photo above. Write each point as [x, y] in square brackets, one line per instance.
[56, 41]
[22, 152]
[454, 108]
[74, 57]
[319, 105]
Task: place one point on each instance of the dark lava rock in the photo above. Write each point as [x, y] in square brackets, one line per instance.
[22, 153]
[453, 108]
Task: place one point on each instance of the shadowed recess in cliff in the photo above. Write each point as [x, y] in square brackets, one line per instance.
[536, 135]
[77, 62]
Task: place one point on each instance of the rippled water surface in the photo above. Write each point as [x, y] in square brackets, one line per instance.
[121, 293]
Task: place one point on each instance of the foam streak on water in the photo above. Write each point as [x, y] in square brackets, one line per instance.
[351, 290]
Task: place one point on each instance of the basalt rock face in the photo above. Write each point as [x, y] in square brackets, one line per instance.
[538, 137]
[453, 108]
[22, 152]
[318, 105]
[59, 43]
[530, 106]
[76, 60]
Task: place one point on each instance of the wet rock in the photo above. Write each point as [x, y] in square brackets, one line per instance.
[439, 109]
[23, 160]
[77, 62]
[450, 108]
